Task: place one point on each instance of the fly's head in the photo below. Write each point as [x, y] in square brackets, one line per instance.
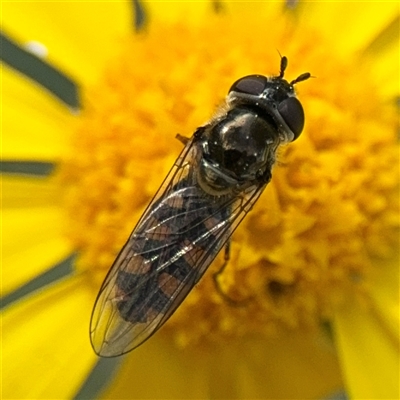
[275, 97]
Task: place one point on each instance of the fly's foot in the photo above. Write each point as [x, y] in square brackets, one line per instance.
[226, 297]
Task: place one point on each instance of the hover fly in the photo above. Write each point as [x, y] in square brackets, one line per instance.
[221, 172]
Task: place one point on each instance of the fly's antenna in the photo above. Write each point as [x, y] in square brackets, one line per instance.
[300, 78]
[284, 63]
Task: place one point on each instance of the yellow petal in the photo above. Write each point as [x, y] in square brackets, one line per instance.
[382, 59]
[157, 370]
[368, 340]
[20, 192]
[291, 367]
[247, 9]
[34, 243]
[353, 24]
[295, 366]
[34, 223]
[35, 126]
[385, 295]
[79, 36]
[169, 12]
[46, 349]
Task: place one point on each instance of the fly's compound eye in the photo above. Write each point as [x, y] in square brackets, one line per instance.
[292, 113]
[251, 84]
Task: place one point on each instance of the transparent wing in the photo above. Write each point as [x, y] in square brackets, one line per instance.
[174, 242]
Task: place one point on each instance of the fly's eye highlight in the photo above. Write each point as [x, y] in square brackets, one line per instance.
[251, 84]
[292, 113]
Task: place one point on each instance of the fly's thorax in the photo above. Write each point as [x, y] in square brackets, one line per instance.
[238, 150]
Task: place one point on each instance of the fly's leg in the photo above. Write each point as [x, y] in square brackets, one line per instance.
[216, 275]
[221, 271]
[199, 132]
[182, 139]
[197, 135]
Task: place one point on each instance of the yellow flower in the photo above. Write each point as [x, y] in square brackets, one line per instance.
[318, 254]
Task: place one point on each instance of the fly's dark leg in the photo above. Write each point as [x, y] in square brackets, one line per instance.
[233, 302]
[222, 269]
[197, 135]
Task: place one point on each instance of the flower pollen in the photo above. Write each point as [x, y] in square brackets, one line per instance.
[330, 209]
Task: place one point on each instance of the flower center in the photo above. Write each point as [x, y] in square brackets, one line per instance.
[314, 232]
